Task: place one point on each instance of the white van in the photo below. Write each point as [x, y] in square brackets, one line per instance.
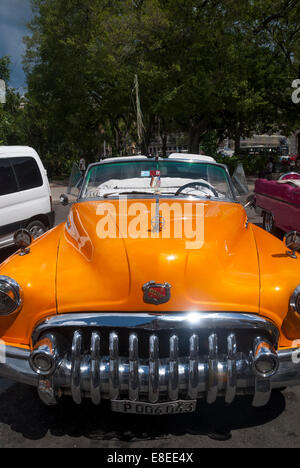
[25, 196]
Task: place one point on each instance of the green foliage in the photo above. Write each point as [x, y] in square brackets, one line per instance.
[254, 164]
[11, 116]
[4, 68]
[209, 143]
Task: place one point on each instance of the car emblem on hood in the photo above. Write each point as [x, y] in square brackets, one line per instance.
[156, 293]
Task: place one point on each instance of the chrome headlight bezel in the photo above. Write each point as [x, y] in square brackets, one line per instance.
[13, 293]
[295, 300]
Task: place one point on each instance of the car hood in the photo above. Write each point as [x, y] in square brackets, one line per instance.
[220, 273]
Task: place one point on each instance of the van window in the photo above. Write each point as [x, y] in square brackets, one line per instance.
[8, 183]
[27, 172]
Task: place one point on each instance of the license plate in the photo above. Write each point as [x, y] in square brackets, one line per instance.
[157, 409]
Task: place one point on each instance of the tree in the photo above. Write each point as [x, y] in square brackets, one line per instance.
[205, 67]
[234, 78]
[10, 113]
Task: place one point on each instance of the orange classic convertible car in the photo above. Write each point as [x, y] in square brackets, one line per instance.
[155, 293]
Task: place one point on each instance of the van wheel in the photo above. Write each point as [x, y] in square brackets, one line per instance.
[268, 223]
[36, 228]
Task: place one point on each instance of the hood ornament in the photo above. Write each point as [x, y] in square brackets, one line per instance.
[158, 223]
[156, 293]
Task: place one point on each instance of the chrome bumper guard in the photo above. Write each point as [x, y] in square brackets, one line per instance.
[83, 373]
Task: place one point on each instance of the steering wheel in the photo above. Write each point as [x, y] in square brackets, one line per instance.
[196, 184]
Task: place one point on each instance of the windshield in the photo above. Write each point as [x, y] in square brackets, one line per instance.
[150, 177]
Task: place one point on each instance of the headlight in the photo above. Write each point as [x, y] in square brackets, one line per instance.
[11, 296]
[295, 300]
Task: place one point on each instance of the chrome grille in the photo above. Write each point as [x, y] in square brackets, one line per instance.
[155, 379]
[103, 361]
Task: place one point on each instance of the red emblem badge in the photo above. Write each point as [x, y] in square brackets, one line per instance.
[156, 293]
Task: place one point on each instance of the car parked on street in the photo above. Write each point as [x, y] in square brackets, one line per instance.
[278, 202]
[155, 293]
[25, 197]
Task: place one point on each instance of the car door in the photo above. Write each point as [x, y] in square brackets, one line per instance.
[35, 196]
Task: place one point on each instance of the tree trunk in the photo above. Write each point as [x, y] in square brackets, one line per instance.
[144, 148]
[237, 143]
[164, 139]
[197, 129]
[194, 140]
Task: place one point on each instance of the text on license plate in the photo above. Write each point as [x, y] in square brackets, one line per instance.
[140, 407]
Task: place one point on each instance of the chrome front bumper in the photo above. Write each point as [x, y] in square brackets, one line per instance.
[84, 369]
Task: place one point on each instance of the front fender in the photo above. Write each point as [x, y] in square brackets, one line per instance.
[36, 274]
[279, 276]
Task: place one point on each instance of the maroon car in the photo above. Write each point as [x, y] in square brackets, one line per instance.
[278, 201]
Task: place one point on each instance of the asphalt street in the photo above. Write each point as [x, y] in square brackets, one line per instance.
[26, 422]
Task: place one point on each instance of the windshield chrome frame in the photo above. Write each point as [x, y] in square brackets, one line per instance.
[162, 196]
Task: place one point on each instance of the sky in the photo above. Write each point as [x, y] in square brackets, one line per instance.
[14, 15]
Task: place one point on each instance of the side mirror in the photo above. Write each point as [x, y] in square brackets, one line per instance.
[250, 202]
[292, 241]
[64, 200]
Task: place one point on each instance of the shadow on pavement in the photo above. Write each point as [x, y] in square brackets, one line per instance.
[21, 409]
